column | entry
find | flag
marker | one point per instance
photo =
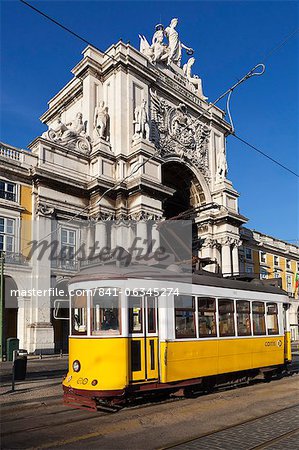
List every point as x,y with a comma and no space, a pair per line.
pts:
296,283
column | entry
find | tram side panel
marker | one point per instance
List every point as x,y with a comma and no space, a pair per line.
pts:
102,359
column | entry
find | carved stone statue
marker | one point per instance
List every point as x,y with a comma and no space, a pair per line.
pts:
174,44
160,50
101,122
71,135
141,125
221,169
194,80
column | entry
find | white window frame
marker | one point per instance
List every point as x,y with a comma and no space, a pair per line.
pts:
5,234
289,277
274,263
15,193
263,254
249,258
67,244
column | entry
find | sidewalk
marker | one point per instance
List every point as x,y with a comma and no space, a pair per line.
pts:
43,382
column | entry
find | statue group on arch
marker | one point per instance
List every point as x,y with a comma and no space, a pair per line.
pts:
170,53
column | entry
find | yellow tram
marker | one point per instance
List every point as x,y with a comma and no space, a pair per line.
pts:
135,331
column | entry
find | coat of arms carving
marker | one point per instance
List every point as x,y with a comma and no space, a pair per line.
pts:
176,132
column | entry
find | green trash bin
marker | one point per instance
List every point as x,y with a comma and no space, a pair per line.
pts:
11,345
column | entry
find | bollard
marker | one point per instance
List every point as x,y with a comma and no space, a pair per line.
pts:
14,357
61,354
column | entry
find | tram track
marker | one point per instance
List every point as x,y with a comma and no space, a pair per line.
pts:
185,444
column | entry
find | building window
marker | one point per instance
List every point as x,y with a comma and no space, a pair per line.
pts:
226,317
276,260
184,317
207,317
7,190
248,253
258,318
243,318
276,274
289,287
7,234
288,263
68,247
263,257
249,269
272,319
264,274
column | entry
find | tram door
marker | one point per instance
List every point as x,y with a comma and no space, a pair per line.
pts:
143,332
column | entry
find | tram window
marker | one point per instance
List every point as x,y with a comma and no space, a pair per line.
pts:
79,314
243,318
207,317
135,315
184,317
226,317
272,318
258,318
151,315
105,314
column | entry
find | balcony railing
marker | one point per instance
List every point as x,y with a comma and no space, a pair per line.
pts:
65,264
10,152
15,259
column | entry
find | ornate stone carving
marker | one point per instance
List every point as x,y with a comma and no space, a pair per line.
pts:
194,80
180,134
101,122
71,135
44,209
158,51
221,168
141,125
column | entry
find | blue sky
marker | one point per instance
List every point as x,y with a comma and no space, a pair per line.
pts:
228,38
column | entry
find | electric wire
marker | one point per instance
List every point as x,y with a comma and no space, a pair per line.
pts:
228,92
265,154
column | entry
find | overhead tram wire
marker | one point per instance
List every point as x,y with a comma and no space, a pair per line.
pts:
46,16
248,75
228,92
264,154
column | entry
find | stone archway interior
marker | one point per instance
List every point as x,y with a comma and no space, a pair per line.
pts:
188,191
10,319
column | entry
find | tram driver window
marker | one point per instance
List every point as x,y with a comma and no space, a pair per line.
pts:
105,313
258,318
135,315
243,318
207,317
79,314
226,317
184,306
272,319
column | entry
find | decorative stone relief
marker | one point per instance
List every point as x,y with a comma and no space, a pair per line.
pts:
194,80
44,210
101,122
71,135
180,134
141,123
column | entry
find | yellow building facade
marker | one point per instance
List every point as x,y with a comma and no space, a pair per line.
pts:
267,257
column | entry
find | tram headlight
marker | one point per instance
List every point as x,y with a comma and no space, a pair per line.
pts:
76,366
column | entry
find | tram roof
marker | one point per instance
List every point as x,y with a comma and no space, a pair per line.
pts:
110,272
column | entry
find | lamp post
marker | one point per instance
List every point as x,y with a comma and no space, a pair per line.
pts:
2,259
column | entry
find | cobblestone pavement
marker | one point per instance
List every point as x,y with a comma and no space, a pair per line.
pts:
275,431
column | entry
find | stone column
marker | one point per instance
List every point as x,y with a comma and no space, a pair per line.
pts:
23,304
100,235
155,236
226,261
40,330
235,257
